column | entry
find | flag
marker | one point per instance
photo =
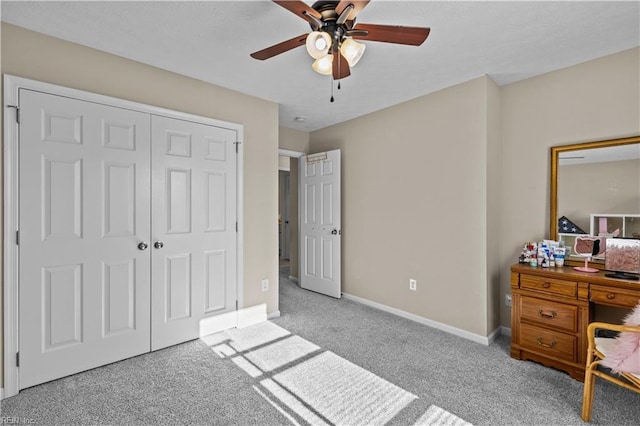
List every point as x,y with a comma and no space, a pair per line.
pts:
565,226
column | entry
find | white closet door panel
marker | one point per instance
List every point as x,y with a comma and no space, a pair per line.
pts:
194,214
84,206
178,287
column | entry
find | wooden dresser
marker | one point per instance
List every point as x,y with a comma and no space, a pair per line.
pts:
551,308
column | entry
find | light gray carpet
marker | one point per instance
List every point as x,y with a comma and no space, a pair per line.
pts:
192,384
312,385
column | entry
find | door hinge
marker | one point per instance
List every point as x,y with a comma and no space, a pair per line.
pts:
17,359
236,144
236,226
236,305
17,108
17,238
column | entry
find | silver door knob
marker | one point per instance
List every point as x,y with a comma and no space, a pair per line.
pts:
158,244
335,232
142,246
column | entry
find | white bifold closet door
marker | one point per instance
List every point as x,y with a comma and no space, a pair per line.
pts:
127,233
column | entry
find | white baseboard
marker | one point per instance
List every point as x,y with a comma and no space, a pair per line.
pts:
294,279
505,331
494,335
218,323
252,315
433,324
274,314
242,318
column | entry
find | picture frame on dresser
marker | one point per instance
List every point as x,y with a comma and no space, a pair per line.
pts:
623,258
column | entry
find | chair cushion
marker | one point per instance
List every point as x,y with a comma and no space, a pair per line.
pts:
622,354
604,345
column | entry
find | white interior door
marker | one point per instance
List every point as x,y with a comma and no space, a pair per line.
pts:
84,207
320,229
194,227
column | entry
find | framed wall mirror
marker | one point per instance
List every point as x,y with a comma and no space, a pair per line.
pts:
595,189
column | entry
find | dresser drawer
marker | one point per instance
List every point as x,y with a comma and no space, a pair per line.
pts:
549,285
547,342
551,314
613,296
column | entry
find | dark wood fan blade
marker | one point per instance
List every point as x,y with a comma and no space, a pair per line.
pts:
413,36
358,5
298,8
279,48
340,67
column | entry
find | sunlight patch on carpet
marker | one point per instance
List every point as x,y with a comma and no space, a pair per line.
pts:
342,392
248,368
436,416
223,350
293,403
281,353
243,339
228,342
277,407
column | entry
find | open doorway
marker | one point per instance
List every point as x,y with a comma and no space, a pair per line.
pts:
284,212
288,213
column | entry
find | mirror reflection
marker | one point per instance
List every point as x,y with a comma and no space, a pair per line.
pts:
597,190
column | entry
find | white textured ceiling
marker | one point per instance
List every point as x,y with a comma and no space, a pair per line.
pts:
212,40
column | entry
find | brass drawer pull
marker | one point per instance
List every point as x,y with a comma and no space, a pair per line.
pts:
546,285
545,345
611,296
553,314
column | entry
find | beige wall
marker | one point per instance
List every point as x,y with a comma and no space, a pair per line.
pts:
494,200
447,187
611,187
283,163
414,204
293,140
35,56
596,100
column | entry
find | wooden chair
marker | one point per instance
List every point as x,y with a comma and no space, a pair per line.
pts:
596,352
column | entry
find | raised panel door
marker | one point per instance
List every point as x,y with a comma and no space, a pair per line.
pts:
320,227
194,211
84,206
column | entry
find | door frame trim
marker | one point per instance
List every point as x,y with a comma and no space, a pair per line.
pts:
10,208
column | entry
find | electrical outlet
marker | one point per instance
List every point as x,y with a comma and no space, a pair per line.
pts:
413,284
265,285
507,300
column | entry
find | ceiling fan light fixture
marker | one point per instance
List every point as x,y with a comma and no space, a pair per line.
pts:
323,65
318,44
352,51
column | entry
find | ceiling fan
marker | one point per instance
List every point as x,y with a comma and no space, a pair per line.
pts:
334,31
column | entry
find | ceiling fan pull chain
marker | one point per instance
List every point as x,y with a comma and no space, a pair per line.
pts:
339,71
331,80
